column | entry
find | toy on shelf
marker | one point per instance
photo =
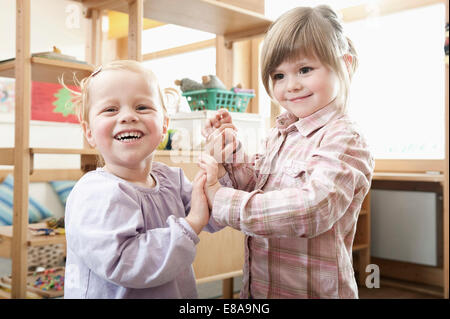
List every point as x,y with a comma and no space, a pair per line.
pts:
214,95
212,82
238,89
176,140
48,283
54,227
187,84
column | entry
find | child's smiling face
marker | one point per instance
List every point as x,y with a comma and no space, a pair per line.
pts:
126,120
304,85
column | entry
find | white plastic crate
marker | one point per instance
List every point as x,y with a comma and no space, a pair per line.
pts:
250,128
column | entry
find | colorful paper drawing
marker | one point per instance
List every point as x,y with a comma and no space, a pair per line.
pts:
7,96
51,102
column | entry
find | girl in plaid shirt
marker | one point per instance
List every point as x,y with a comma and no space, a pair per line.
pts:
297,201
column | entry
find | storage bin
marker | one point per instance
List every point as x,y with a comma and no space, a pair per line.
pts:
250,126
214,99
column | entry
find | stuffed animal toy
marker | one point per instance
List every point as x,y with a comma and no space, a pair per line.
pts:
212,82
187,84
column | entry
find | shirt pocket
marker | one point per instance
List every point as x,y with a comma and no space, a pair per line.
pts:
294,173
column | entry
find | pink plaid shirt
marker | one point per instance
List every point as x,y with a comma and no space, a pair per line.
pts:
298,204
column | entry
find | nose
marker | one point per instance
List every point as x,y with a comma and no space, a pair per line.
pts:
293,83
127,115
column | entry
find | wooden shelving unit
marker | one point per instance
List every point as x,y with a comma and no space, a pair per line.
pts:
206,15
230,23
49,70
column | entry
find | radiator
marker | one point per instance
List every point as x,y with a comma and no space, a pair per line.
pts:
404,226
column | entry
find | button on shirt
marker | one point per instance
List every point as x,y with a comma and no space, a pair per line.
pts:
298,203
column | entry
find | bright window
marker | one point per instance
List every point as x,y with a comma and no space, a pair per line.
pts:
398,92
191,65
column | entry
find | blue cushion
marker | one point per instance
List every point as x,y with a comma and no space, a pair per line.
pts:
36,212
63,189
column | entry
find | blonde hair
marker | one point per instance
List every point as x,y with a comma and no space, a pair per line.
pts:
311,32
81,100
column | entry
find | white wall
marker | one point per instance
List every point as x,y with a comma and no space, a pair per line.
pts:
53,22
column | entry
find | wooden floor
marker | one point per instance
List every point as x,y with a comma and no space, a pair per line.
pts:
395,289
392,293
386,293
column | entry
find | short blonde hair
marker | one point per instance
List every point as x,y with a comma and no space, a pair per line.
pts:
81,100
311,32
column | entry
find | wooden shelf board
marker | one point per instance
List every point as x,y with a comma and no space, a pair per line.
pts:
49,70
363,212
62,151
6,234
205,15
360,247
48,174
7,154
416,177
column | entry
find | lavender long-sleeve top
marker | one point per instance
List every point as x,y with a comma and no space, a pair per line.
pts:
127,241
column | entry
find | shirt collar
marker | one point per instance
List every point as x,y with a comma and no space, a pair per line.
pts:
287,121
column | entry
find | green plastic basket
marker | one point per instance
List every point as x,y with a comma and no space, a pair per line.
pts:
214,99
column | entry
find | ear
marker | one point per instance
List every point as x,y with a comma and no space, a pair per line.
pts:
348,59
88,133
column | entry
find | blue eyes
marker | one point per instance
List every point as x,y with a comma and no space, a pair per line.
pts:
303,70
278,76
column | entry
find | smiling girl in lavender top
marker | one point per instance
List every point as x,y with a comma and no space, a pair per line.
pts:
131,225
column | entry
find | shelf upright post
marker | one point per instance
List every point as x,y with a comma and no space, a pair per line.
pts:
224,60
93,56
22,149
94,29
135,26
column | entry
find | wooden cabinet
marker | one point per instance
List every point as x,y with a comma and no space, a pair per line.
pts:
361,244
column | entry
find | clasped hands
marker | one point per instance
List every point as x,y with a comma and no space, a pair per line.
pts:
221,143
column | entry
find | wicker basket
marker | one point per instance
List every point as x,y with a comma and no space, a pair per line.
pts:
48,256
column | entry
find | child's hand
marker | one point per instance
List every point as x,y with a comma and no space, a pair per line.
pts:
209,165
199,215
222,143
222,117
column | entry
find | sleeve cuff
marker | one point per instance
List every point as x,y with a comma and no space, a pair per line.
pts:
185,228
227,206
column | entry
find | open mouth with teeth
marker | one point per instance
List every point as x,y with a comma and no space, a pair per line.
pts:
128,136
